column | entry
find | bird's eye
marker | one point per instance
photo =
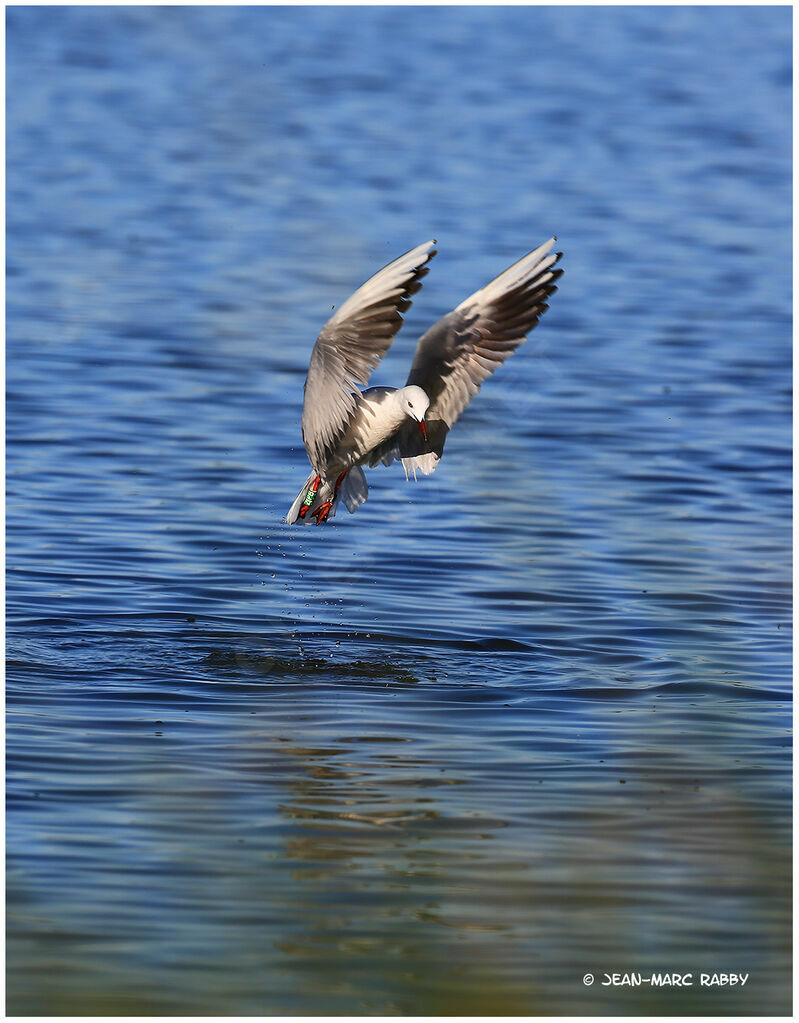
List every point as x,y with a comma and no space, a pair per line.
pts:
410,404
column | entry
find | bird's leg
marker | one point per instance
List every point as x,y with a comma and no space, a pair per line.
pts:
323,510
310,494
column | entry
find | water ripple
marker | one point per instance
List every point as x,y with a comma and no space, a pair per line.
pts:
524,719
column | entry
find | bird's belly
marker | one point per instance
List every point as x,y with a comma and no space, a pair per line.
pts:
372,424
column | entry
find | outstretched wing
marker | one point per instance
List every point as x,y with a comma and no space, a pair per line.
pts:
456,354
351,344
464,347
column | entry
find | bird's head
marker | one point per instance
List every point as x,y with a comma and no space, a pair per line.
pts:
415,404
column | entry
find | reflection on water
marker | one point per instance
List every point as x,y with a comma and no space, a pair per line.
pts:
352,837
452,754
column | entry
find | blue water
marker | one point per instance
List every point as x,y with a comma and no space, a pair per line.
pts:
524,720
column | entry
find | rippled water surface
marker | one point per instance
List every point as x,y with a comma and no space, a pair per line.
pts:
521,721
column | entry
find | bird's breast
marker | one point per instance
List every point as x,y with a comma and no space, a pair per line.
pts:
376,418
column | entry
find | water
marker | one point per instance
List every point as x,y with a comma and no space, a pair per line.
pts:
452,753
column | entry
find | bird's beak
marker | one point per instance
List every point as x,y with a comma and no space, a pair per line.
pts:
423,428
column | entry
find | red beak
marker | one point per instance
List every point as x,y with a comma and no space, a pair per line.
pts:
423,428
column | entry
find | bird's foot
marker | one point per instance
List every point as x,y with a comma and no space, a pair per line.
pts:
322,512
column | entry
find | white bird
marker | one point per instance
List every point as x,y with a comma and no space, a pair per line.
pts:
344,428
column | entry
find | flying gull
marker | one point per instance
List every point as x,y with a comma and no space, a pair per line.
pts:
344,428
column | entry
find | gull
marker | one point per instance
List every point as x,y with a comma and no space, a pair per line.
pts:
345,428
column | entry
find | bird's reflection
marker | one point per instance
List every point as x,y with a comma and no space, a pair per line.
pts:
382,872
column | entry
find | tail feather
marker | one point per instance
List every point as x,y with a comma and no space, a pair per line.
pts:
353,490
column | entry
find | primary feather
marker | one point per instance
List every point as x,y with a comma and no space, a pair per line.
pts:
466,346
351,344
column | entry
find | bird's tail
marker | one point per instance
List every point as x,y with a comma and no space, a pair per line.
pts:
354,489
316,492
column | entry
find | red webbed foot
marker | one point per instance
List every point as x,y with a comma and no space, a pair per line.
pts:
322,512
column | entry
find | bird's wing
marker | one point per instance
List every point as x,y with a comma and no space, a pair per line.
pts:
351,344
464,347
456,354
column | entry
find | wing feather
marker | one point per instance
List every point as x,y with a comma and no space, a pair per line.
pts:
466,346
351,344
